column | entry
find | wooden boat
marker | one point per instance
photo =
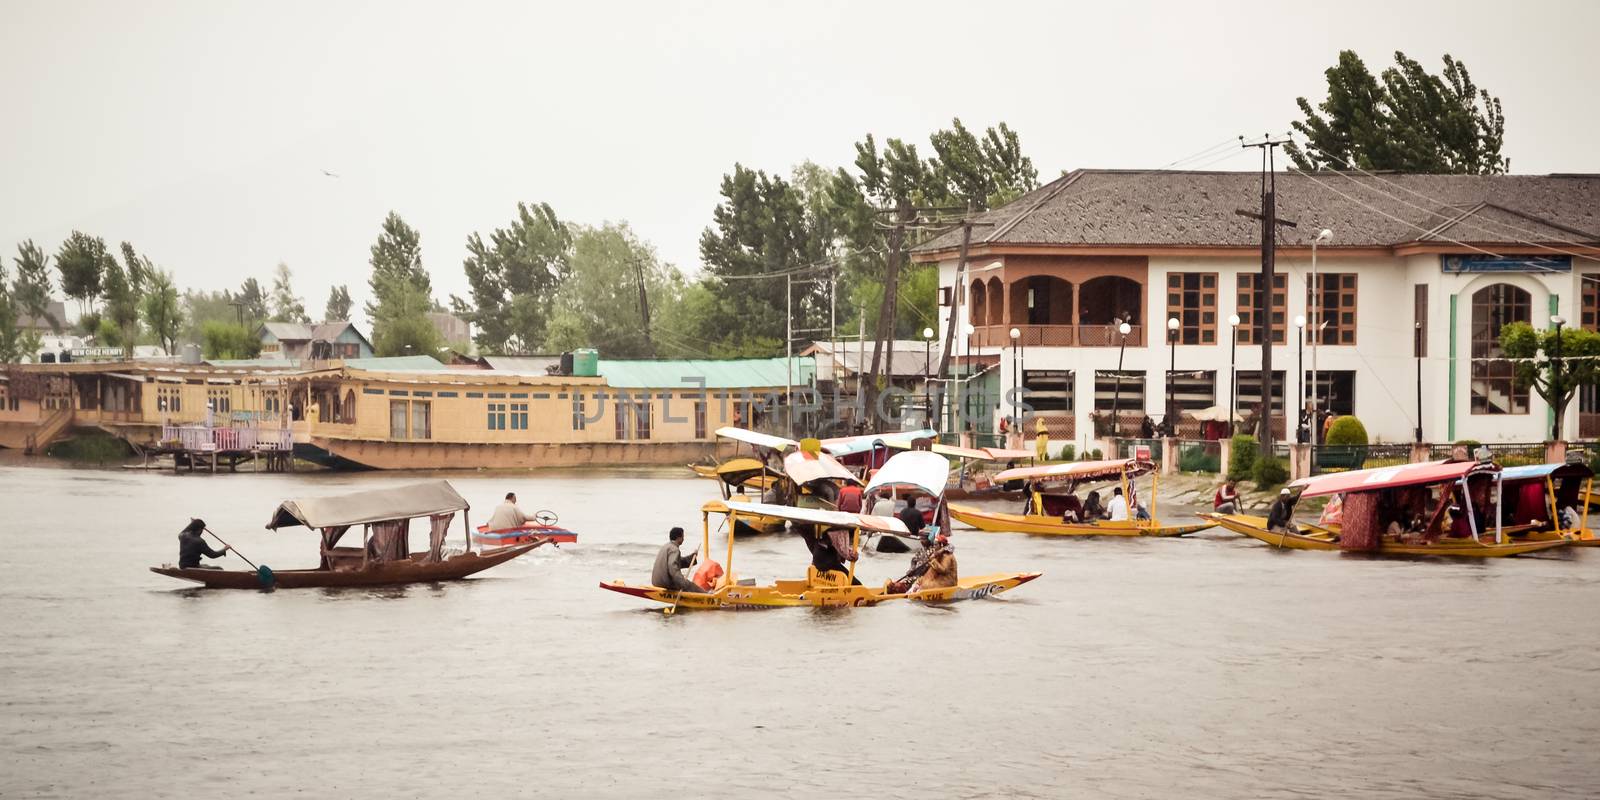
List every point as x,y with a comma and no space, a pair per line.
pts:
785,470
383,559
1556,487
530,532
1450,478
816,589
1044,516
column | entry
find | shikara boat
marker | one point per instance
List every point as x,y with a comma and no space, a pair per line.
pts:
531,531
1540,493
816,589
383,559
1447,477
786,470
1044,514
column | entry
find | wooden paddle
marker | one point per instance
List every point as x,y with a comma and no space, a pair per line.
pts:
263,574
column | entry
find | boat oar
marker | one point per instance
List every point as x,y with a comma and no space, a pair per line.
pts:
263,574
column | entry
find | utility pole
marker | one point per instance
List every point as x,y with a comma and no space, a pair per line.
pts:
903,215
1269,254
644,308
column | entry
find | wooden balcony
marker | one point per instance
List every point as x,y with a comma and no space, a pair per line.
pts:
1055,336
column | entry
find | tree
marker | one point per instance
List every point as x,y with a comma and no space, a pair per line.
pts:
228,340
82,261
989,172
121,286
200,307
30,290
598,305
160,309
286,306
514,279
15,343
339,303
1411,121
396,260
1554,365
253,301
400,324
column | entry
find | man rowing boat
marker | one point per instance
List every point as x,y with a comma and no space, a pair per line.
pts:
670,563
508,515
191,546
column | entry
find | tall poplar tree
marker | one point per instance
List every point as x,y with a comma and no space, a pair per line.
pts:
396,258
514,277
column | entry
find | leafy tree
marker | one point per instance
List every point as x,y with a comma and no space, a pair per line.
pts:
254,302
989,172
286,306
598,303
396,260
1410,121
228,340
122,294
200,307
1347,430
137,267
30,290
15,343
1554,366
400,324
514,278
160,309
339,304
82,261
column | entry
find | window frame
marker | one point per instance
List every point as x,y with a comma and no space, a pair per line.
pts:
1195,307
1344,294
1501,304
1278,308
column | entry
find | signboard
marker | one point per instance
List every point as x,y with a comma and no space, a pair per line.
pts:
1487,263
1141,452
96,353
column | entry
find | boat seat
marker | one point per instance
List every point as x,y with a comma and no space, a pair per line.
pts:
343,559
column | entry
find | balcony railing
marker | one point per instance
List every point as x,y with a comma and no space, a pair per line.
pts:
1108,336
199,437
1055,336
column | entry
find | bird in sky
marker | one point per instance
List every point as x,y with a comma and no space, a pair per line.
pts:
329,174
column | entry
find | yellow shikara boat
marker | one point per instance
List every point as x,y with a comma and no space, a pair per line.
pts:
1044,517
1449,476
1576,482
827,589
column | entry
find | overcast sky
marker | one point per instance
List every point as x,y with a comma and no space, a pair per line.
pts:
199,131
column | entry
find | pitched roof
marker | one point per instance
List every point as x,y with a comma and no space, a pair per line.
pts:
732,373
301,332
57,310
1164,208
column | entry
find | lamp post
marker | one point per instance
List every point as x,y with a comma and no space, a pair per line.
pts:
961,411
1016,375
1233,372
1416,349
927,364
1300,366
1172,349
1318,324
1116,394
1557,380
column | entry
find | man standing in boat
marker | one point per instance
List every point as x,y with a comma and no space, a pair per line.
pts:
507,515
191,546
670,563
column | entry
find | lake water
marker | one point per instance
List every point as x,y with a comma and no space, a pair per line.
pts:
1211,666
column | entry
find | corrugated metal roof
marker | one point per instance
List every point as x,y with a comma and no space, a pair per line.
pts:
733,373
396,362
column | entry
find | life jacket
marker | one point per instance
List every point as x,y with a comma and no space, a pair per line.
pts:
708,574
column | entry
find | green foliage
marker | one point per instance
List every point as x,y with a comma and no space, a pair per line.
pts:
200,307
12,342
30,290
162,313
1347,430
98,448
339,305
1195,458
108,334
1267,472
1242,459
400,324
1096,455
226,340
123,287
514,278
1470,444
1412,122
286,306
598,302
82,261
254,302
1069,452
1555,380
990,172
396,260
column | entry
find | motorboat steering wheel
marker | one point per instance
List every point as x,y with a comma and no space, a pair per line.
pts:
545,517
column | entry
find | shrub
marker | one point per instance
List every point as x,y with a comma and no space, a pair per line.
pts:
1269,472
1069,452
1195,458
1096,455
1243,459
1347,430
98,448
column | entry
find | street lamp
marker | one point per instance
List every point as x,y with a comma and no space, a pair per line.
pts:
967,329
1416,349
1318,324
927,365
1172,348
1557,380
1300,380
1016,374
1233,371
1116,394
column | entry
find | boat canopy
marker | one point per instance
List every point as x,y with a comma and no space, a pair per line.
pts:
850,445
803,468
756,439
1370,480
375,505
1542,471
736,471
917,469
1078,471
817,516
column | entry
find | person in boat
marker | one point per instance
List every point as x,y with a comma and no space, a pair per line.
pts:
1226,500
1280,516
1117,509
849,499
192,545
921,558
670,563
830,550
1092,509
1072,507
508,515
913,518
940,569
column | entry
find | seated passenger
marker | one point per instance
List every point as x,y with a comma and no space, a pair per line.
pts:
1071,508
1226,500
1280,516
1092,510
850,498
1117,509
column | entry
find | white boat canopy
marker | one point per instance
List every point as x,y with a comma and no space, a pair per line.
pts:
803,468
375,505
817,516
918,469
1078,471
757,439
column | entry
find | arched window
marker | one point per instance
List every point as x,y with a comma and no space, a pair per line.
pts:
997,302
1494,388
1108,298
349,415
1041,300
977,304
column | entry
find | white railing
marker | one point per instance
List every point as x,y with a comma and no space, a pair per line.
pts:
200,437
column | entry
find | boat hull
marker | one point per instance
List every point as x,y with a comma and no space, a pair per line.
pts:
1319,539
796,594
388,574
997,522
523,535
